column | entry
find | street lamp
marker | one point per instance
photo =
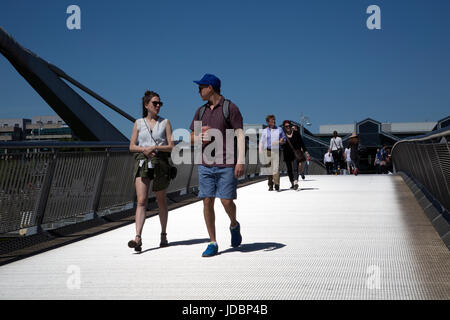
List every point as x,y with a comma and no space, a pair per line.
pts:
303,121
40,127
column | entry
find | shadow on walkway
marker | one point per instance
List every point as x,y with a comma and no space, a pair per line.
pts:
252,247
179,243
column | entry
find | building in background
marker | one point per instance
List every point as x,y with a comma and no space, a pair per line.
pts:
374,134
13,129
394,130
37,128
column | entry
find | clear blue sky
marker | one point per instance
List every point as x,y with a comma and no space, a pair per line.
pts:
281,57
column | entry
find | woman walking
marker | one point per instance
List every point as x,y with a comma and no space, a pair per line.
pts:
151,141
337,148
354,152
293,153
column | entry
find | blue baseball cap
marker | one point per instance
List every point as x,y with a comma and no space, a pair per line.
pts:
209,79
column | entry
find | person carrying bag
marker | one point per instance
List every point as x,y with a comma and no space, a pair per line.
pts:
294,153
152,143
337,148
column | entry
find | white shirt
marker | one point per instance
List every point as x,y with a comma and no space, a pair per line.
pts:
347,155
328,157
158,133
156,137
336,144
271,136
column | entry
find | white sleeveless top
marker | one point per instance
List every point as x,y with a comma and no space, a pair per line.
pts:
158,133
157,137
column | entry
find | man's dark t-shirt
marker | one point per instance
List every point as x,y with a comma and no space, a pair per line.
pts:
214,118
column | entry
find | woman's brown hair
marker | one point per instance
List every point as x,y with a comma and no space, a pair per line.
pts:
146,99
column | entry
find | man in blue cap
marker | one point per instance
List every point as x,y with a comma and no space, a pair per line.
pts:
218,177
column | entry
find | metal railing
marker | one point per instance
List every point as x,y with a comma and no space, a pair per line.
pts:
44,186
427,159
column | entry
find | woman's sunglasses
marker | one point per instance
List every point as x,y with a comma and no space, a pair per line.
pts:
157,103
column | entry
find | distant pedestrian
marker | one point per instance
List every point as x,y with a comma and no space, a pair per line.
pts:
219,179
383,159
376,163
293,153
152,142
348,159
328,161
272,138
337,148
306,165
354,152
389,166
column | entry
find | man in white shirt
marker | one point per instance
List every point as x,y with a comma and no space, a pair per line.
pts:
337,148
328,161
269,150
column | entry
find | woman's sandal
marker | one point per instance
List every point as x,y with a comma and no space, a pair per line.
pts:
136,245
164,242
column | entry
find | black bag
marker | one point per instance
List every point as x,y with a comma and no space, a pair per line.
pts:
299,154
337,154
173,172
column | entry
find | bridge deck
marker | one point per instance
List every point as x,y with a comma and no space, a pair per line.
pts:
343,237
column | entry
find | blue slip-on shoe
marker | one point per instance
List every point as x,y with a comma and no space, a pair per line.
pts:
212,250
236,237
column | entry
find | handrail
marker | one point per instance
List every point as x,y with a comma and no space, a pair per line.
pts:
45,190
432,135
426,159
59,144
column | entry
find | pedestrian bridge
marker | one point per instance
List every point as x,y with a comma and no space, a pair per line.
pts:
337,237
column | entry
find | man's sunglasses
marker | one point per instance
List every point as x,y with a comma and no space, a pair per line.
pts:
202,87
156,103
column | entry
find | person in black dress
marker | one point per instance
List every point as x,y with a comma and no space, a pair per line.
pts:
294,143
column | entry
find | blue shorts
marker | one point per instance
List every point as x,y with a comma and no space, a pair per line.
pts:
215,182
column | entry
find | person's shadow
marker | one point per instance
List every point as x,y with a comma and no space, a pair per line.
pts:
245,248
305,189
258,246
179,243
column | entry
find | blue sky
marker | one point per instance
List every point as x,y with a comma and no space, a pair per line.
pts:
282,57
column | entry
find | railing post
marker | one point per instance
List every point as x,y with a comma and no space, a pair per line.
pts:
99,185
190,178
44,193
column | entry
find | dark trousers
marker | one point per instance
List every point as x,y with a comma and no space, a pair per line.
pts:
292,169
337,156
329,166
305,168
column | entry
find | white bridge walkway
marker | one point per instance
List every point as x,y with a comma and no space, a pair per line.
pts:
339,237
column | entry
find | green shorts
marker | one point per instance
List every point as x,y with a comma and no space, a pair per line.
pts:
160,173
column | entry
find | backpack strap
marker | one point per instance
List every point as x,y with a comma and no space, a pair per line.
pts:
225,111
201,112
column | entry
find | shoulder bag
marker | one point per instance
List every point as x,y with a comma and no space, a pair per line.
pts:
299,154
173,170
